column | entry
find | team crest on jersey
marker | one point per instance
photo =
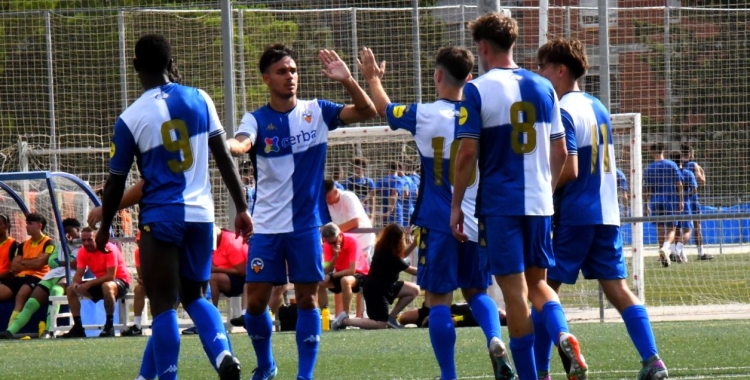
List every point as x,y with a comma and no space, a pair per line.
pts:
398,111
256,264
272,144
307,116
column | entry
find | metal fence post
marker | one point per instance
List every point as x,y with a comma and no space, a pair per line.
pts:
355,68
230,108
567,22
123,59
667,78
462,28
417,51
241,52
51,91
543,21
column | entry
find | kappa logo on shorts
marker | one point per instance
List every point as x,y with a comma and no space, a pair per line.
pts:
256,264
482,242
422,260
147,228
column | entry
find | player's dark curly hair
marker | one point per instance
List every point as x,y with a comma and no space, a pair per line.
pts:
496,28
457,61
328,185
570,53
273,54
153,53
391,239
71,222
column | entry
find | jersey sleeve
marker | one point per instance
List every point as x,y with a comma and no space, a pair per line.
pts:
331,112
49,248
13,251
122,149
401,116
557,130
214,123
248,127
469,120
676,175
570,133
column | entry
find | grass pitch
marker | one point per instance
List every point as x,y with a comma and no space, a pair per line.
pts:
692,350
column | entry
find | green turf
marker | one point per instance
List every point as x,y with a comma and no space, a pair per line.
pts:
724,280
692,350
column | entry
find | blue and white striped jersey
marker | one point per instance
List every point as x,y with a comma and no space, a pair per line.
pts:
289,155
167,130
590,199
433,126
514,114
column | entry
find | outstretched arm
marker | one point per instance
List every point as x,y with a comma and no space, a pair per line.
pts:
373,73
131,198
239,145
336,69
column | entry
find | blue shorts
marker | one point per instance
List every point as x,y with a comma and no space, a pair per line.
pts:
658,209
445,264
685,224
299,252
196,243
594,250
510,244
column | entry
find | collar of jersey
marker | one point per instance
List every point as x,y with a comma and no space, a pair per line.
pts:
505,68
161,87
449,101
283,113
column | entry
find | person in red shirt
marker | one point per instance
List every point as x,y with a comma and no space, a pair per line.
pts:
112,282
228,265
345,271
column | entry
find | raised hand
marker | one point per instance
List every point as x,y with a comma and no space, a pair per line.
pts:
368,66
335,68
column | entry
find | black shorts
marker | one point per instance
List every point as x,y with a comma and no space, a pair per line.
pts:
122,289
359,281
379,296
236,285
15,283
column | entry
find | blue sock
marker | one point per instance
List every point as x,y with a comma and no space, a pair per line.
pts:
639,328
211,330
443,338
542,342
166,336
308,339
259,328
554,320
484,310
148,365
523,356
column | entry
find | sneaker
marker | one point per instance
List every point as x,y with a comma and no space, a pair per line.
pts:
338,323
190,331
6,335
47,335
75,332
663,258
674,258
653,369
132,331
705,257
230,368
543,376
570,352
393,323
107,332
500,361
259,374
238,321
683,257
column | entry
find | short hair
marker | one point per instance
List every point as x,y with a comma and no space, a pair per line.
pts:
330,230
71,222
88,229
457,61
36,217
394,165
685,148
360,161
328,185
337,170
6,219
657,147
496,28
675,156
273,54
153,53
570,53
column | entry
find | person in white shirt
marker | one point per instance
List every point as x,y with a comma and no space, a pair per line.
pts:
348,213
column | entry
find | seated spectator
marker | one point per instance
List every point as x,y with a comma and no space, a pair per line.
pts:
383,285
30,263
228,266
112,283
343,272
8,250
348,213
139,296
461,312
52,284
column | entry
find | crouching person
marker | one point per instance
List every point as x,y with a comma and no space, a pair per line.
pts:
112,283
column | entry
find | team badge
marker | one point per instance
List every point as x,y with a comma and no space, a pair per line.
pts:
256,264
307,116
398,111
462,116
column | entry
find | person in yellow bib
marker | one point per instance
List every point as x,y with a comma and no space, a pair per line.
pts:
8,249
31,261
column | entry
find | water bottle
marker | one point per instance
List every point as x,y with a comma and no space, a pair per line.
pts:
42,328
326,315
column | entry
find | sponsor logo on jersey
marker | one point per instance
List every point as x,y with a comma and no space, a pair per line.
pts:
463,114
272,144
398,111
307,116
111,150
256,264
